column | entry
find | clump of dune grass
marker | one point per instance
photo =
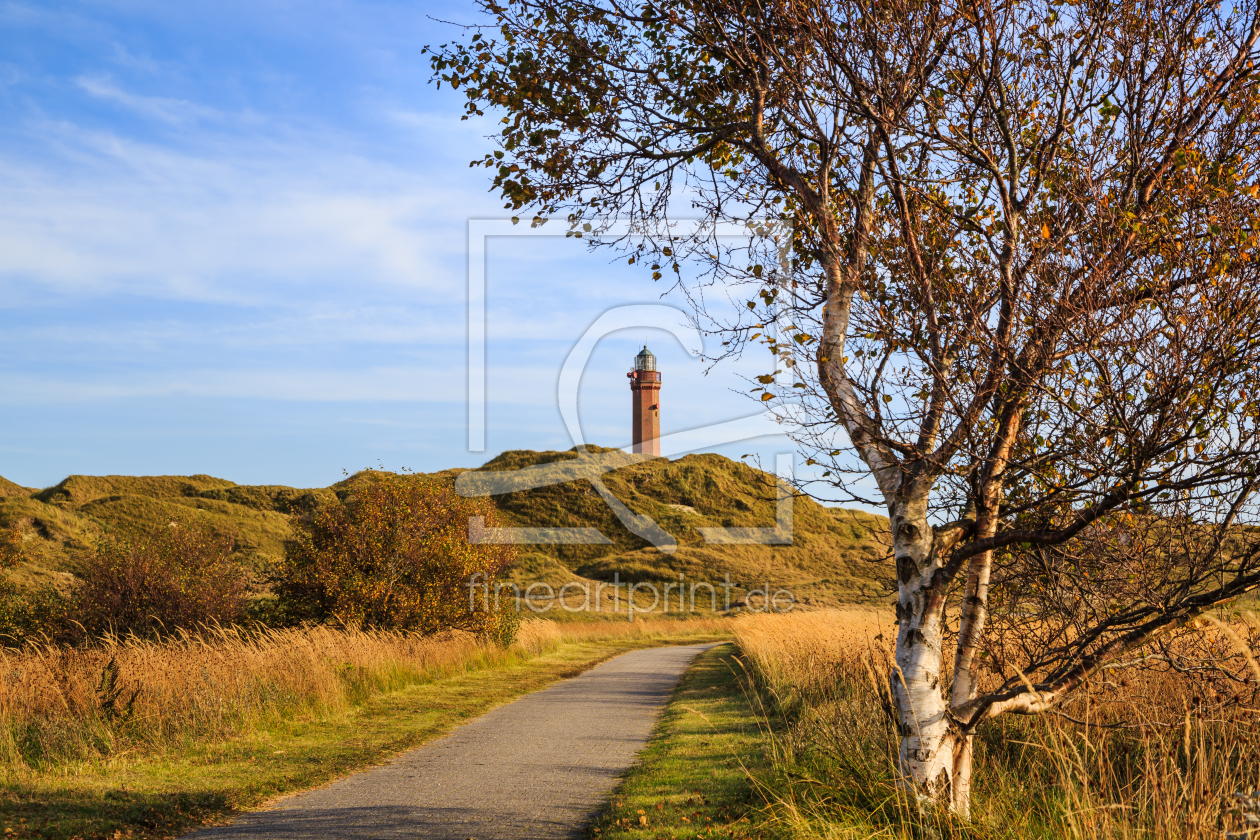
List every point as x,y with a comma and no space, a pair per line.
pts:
1155,757
121,694
60,703
538,635
641,628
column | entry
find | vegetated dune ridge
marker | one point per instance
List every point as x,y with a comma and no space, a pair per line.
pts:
836,555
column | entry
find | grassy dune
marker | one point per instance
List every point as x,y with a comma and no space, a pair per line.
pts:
836,556
68,518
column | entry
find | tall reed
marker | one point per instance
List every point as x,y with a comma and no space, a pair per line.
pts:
643,628
60,703
1147,759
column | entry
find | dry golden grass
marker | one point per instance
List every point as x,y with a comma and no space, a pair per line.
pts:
643,628
58,703
122,694
1155,757
538,636
796,651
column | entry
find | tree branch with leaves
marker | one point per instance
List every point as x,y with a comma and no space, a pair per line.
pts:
1019,293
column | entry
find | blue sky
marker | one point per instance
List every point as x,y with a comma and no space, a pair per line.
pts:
233,241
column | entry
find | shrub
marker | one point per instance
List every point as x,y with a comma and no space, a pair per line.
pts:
395,555
152,582
40,612
12,548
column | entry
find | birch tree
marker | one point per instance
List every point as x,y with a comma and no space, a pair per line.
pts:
1020,295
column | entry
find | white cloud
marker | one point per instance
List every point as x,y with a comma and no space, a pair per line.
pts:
173,111
444,132
317,324
245,220
377,384
144,63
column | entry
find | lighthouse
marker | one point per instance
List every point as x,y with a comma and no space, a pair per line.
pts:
645,386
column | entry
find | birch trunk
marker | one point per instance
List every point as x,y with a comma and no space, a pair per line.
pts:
935,755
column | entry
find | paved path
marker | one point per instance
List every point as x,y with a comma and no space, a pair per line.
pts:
536,768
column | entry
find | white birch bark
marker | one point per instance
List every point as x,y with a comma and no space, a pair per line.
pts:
934,758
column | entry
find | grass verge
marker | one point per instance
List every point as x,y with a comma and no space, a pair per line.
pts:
693,779
163,793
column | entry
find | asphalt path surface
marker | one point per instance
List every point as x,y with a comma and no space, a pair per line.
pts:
539,767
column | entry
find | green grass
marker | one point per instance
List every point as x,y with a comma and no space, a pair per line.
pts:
693,780
163,794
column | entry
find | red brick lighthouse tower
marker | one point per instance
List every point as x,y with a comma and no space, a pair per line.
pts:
645,385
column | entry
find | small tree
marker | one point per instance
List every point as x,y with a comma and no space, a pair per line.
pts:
152,582
395,554
1017,278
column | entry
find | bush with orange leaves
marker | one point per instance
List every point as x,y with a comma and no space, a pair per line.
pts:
153,581
395,555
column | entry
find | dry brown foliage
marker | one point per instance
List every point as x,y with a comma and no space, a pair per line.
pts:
395,555
151,581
